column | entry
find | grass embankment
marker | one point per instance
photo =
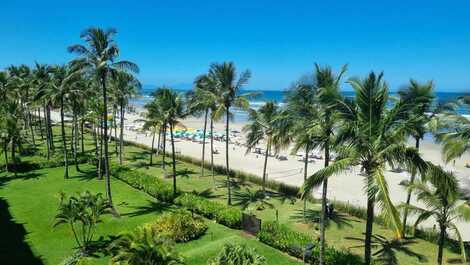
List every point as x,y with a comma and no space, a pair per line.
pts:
32,200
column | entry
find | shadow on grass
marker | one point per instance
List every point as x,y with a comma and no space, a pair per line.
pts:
247,197
386,249
14,249
207,193
25,176
151,207
85,175
313,216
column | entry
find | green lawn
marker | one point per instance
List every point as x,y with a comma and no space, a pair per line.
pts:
32,200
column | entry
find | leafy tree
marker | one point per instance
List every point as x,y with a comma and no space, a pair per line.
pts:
229,86
232,254
99,57
144,247
442,200
373,136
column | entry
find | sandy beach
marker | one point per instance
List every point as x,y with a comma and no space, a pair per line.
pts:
346,187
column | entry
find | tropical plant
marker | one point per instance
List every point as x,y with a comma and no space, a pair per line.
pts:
144,246
263,125
154,121
202,99
179,226
99,59
82,213
441,197
124,86
232,254
229,86
373,136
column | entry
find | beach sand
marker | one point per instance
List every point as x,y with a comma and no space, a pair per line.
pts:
346,187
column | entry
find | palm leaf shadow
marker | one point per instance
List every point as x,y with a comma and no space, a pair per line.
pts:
313,216
387,249
150,207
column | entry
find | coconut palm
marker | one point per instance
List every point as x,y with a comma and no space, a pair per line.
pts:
372,136
99,57
58,91
202,99
172,107
153,121
263,125
144,247
124,86
229,86
419,98
440,195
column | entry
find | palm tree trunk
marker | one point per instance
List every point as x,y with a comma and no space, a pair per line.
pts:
64,142
323,216
229,188
158,141
40,124
442,237
30,121
105,141
115,129
82,131
204,143
48,140
307,150
100,164
174,158
408,196
268,147
212,151
49,125
13,150
75,141
5,153
369,228
151,150
121,134
164,149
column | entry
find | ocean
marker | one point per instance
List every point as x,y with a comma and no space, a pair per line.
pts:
278,96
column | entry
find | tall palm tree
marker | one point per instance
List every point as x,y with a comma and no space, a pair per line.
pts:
263,125
419,98
99,58
153,121
202,99
441,195
125,86
373,137
172,106
229,86
59,92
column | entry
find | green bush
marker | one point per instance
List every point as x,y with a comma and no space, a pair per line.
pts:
179,226
228,216
294,243
281,237
154,186
237,255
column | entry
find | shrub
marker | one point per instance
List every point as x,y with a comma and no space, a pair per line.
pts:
237,255
228,216
154,186
179,226
281,237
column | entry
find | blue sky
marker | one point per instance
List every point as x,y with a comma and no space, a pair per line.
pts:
173,41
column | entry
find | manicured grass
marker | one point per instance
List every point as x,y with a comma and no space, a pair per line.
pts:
33,200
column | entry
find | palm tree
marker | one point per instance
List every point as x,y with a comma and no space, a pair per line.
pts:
442,200
153,121
419,98
372,136
172,107
225,76
201,100
264,126
144,247
99,58
125,86
58,91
